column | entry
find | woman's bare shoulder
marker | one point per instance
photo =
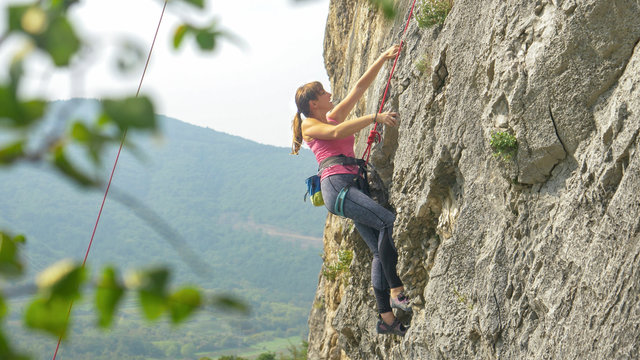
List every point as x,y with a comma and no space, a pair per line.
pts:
313,125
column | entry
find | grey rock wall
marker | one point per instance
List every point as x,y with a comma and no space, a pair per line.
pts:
532,258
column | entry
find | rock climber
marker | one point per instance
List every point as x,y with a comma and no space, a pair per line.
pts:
326,130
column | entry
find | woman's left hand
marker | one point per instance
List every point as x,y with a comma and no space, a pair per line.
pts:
391,53
387,118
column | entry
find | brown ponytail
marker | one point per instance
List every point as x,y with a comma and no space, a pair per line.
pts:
305,93
296,126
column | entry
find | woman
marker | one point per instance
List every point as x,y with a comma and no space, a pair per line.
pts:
328,134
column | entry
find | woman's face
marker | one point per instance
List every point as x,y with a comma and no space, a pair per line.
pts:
324,100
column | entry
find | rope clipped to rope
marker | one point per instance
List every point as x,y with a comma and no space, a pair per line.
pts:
374,135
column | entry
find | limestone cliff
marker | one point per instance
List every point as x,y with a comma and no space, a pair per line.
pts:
537,257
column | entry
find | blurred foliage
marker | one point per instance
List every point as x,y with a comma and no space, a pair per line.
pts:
44,28
206,36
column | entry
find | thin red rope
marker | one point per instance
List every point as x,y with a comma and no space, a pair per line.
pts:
113,170
374,135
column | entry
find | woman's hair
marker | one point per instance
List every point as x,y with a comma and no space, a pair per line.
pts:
305,93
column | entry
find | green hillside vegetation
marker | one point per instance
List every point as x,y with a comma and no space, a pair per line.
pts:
221,194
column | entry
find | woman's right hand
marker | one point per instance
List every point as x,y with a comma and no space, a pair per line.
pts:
387,118
391,53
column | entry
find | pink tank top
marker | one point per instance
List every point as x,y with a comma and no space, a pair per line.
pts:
323,149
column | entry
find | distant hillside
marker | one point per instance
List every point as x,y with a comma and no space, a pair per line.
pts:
201,182
237,204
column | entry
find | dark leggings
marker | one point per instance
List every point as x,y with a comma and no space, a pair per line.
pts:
375,225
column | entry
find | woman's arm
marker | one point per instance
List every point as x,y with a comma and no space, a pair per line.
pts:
317,129
340,112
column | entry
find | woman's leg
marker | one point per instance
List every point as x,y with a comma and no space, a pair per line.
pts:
370,237
375,225
378,280
385,259
365,212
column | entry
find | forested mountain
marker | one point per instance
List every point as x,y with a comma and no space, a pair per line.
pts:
234,203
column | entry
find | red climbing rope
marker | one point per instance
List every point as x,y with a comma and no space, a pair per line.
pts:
115,164
374,135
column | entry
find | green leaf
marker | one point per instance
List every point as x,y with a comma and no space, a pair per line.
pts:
179,34
16,71
152,293
64,4
60,41
32,110
134,112
48,315
130,56
15,16
9,106
152,306
61,162
10,264
6,353
62,281
184,302
18,113
80,132
3,307
197,3
5,350
103,120
93,139
12,152
206,39
227,302
109,292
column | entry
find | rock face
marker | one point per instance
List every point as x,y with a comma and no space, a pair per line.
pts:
537,257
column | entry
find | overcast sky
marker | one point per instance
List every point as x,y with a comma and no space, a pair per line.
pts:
246,91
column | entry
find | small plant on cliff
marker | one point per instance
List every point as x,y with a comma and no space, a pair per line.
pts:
504,145
318,304
423,64
462,299
339,268
432,12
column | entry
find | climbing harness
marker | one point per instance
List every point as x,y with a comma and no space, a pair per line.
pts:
339,206
374,135
115,164
359,180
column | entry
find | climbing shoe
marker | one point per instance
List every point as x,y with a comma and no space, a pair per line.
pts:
396,328
401,302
